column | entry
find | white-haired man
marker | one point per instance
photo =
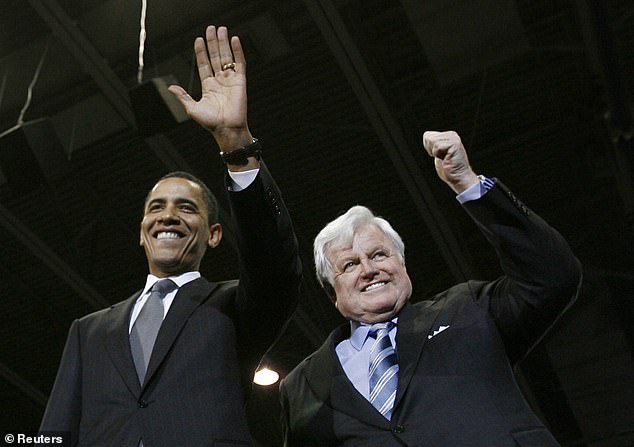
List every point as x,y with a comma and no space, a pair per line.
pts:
437,372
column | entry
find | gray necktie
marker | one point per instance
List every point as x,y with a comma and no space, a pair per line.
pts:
147,325
383,369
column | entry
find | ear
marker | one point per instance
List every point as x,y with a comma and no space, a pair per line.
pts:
215,235
141,233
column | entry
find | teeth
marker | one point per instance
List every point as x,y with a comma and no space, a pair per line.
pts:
167,235
376,285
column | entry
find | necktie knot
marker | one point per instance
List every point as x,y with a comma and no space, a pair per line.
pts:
163,287
378,329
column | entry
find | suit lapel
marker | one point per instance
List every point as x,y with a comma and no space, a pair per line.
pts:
118,342
188,298
329,382
414,323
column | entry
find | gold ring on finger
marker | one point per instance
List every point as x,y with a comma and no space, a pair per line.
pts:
229,66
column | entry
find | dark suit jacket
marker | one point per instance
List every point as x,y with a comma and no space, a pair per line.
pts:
205,354
456,387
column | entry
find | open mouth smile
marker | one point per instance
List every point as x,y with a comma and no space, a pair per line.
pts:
161,235
374,286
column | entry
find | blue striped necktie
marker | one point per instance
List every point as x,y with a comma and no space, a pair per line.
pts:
383,370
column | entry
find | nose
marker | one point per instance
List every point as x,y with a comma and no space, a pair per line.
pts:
368,268
169,216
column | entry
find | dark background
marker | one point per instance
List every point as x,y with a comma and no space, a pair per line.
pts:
340,92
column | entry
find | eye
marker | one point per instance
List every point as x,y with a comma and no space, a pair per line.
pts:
348,266
188,208
379,256
153,207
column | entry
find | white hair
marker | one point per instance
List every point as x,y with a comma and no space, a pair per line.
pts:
341,231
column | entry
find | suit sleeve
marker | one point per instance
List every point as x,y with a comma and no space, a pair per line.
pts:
541,274
63,411
270,267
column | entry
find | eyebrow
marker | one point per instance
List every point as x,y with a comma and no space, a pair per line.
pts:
178,201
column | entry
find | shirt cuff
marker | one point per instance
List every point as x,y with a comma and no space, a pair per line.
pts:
477,190
242,179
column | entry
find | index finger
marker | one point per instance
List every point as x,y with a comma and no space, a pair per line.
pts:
202,59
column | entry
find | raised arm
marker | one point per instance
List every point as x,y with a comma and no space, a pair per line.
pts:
222,108
541,274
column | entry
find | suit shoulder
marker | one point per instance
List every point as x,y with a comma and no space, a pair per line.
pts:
298,370
101,312
306,365
229,284
444,297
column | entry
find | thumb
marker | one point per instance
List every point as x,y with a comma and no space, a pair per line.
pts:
181,95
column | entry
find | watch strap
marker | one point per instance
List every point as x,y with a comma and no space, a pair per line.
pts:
240,156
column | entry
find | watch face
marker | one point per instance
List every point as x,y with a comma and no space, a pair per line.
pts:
240,156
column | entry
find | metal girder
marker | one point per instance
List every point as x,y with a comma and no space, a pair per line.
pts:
619,118
86,55
23,385
66,273
389,132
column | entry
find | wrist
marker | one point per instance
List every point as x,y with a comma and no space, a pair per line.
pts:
231,139
243,158
465,182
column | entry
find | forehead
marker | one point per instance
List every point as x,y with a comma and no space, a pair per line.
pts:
176,188
366,238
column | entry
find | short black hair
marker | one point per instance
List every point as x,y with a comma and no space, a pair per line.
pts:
210,199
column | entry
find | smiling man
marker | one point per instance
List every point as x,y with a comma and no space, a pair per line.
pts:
368,272
437,372
179,223
172,364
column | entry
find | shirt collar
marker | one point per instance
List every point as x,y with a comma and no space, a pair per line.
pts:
180,280
359,332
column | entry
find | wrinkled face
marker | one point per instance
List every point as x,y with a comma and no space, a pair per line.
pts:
175,232
371,283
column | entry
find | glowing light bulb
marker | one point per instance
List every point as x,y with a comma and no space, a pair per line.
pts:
265,377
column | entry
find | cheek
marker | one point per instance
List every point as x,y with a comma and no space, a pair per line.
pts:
347,297
144,229
143,238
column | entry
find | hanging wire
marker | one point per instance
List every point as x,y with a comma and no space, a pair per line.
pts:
29,93
142,41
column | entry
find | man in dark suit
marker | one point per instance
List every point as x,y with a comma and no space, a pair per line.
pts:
187,388
438,372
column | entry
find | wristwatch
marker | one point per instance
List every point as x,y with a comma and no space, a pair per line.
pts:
241,155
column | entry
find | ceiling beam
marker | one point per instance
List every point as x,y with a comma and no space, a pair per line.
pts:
389,132
23,385
56,264
86,55
605,58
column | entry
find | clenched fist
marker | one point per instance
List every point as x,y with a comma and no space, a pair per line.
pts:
450,159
